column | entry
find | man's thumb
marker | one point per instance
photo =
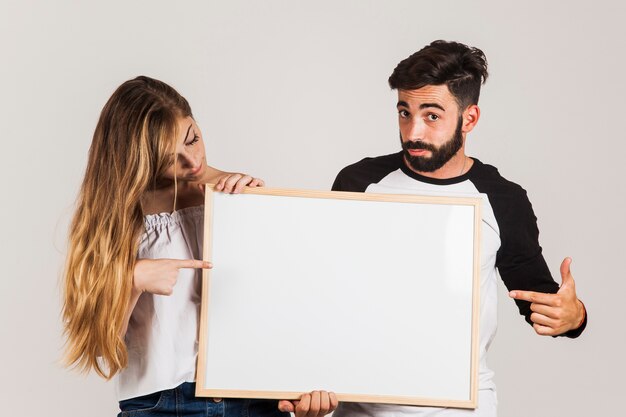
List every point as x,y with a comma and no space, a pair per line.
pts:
566,275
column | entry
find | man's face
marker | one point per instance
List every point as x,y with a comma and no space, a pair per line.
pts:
430,127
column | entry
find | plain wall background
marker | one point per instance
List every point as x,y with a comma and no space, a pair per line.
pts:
292,91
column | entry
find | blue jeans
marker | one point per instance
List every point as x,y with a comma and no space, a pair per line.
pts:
181,401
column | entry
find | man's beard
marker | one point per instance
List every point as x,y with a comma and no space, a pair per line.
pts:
439,155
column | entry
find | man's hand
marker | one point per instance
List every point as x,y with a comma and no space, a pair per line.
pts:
315,404
555,314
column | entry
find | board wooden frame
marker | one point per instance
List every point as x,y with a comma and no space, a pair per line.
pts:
469,402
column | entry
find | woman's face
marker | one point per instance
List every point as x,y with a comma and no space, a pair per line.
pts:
190,161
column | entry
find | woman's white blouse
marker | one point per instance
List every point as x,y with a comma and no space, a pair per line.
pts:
162,336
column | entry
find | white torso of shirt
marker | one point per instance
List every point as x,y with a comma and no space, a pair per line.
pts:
397,182
162,336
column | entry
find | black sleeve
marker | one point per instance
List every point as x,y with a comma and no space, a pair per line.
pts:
342,182
519,259
358,176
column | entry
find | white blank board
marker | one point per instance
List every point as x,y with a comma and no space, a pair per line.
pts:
373,297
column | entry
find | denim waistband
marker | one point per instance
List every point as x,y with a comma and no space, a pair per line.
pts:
182,402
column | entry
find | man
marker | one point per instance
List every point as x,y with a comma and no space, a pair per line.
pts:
438,89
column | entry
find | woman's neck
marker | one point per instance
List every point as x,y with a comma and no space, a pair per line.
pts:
161,199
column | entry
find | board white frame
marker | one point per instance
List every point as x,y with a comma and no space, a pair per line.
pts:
275,333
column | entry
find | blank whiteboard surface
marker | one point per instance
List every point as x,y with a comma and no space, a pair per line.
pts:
357,297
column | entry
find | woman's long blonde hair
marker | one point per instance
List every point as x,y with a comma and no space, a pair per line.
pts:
133,145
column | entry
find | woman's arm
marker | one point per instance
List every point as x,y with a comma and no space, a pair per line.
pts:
134,297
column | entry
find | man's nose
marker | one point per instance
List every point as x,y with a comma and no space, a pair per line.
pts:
415,130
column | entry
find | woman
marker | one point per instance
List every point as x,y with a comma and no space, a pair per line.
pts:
132,294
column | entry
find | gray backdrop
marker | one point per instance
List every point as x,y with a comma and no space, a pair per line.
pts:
292,91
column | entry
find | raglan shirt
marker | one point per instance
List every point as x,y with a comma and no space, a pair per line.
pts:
509,248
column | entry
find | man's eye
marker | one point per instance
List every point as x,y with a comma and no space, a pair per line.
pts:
403,113
433,117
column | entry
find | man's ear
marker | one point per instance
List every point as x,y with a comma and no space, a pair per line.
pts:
470,117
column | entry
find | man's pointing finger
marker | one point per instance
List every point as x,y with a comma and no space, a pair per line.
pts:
534,297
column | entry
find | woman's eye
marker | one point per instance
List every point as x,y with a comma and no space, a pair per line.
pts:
193,141
433,117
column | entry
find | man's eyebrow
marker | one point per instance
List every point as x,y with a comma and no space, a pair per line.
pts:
435,105
422,106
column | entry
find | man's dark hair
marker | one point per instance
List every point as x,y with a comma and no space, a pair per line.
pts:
462,68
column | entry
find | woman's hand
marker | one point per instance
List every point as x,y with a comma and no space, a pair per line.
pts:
228,182
315,404
233,182
158,276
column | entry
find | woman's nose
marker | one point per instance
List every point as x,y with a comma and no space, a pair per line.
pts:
188,160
